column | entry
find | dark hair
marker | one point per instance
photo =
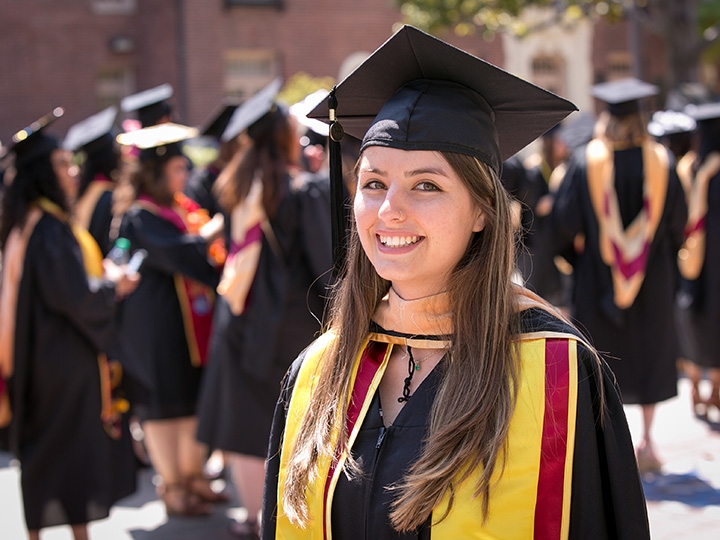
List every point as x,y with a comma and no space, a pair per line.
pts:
265,152
102,157
149,179
32,180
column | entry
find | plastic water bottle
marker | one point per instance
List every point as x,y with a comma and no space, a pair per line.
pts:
120,252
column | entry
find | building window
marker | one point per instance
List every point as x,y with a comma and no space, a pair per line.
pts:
619,65
112,85
247,71
549,72
271,3
114,7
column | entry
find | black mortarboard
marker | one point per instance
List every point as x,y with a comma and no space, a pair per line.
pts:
32,142
219,119
90,130
252,110
151,104
417,92
623,96
158,142
577,130
664,123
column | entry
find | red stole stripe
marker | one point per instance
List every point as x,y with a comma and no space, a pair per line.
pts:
370,362
551,479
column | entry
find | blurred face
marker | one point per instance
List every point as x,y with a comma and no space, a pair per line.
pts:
66,172
176,173
415,218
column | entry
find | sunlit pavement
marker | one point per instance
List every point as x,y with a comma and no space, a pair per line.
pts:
683,502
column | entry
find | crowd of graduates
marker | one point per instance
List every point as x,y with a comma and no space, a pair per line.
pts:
186,344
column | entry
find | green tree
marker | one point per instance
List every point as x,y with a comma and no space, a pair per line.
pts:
690,28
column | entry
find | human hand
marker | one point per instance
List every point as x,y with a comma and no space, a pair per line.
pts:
214,228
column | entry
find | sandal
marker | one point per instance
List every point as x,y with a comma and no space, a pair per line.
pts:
200,486
178,502
647,461
245,530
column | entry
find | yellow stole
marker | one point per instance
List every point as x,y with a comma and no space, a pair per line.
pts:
530,497
626,251
691,256
110,372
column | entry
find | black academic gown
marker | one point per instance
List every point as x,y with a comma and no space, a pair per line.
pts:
71,470
703,308
640,341
607,499
101,222
250,353
151,320
200,188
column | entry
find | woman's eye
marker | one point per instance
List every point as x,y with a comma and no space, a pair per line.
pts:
427,186
373,184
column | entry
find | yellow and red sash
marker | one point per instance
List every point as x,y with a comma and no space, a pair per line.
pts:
691,256
196,299
530,496
626,251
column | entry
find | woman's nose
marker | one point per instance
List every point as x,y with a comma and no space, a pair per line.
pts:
392,208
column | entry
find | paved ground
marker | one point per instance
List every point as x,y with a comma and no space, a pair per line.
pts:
683,502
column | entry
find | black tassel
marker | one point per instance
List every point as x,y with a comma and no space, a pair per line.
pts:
337,197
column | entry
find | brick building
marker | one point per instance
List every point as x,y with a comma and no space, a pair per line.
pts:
86,54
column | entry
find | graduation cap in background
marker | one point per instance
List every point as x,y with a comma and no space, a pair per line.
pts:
703,111
32,142
664,123
151,104
301,109
252,110
158,142
219,119
623,96
96,130
417,92
577,130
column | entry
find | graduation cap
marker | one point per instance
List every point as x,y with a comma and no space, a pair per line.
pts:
32,142
150,104
703,111
158,142
94,129
417,92
623,96
577,130
301,109
218,121
252,110
664,123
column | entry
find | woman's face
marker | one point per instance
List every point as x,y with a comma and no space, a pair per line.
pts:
415,218
176,173
66,172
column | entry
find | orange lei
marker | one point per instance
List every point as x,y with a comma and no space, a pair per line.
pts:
195,218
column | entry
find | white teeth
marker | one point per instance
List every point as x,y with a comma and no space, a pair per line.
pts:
398,241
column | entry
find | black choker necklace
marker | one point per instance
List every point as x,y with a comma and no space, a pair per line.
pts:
412,368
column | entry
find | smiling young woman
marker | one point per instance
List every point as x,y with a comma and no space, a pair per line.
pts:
444,401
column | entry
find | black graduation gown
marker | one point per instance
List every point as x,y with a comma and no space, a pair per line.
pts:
703,293
71,470
607,499
250,353
150,319
199,188
640,341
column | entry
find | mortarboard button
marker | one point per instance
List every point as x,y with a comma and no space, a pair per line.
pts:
91,129
252,110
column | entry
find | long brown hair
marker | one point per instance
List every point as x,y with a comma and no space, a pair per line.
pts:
471,413
265,152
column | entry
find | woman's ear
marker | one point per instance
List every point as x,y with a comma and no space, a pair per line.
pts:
479,223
